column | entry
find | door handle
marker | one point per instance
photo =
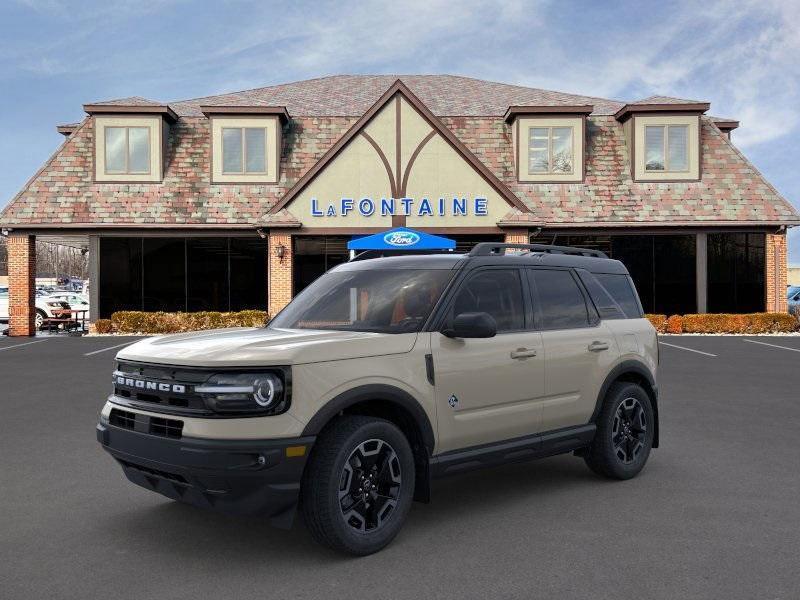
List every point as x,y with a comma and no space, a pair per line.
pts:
522,353
597,346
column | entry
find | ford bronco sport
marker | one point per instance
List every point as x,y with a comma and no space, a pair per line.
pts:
385,373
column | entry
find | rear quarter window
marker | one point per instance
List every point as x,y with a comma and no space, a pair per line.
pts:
621,289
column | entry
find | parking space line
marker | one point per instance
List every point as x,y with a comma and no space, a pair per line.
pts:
20,345
687,349
110,348
771,345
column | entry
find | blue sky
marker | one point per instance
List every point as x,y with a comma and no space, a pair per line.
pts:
56,55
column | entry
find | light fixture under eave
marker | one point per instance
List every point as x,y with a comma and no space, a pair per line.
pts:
280,252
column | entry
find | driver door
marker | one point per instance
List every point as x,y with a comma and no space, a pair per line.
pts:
489,389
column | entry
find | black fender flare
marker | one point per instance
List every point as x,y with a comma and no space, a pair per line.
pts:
374,391
640,369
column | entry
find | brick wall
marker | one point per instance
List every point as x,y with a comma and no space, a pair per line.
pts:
776,273
517,236
21,284
280,271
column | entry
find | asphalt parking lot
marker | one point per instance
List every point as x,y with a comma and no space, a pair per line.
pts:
715,514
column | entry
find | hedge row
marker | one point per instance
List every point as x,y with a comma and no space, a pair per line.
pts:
726,323
131,321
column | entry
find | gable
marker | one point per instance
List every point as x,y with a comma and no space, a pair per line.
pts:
398,162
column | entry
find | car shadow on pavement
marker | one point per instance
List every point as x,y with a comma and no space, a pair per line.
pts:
457,501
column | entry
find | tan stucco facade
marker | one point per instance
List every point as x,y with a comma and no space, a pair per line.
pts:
398,155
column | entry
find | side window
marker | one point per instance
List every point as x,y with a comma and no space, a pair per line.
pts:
605,304
497,292
621,289
561,302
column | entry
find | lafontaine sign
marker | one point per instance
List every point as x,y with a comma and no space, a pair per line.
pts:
422,207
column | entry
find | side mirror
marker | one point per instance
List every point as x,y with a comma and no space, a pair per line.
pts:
472,325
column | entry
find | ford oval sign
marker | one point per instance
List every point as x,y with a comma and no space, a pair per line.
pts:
401,239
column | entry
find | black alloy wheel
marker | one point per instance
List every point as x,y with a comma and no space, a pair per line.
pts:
629,432
358,485
370,485
625,429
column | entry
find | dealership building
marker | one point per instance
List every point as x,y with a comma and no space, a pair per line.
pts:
240,200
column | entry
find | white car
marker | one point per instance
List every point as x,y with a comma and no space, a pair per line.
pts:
76,301
46,307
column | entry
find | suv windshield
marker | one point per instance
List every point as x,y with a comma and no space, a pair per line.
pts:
383,301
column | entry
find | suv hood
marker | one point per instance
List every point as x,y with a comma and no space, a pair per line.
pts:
263,347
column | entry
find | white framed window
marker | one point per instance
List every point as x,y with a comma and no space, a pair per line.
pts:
127,150
244,150
550,150
666,148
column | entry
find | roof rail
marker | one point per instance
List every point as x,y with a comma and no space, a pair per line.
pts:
499,248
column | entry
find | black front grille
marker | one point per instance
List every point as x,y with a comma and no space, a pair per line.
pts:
122,418
169,428
135,382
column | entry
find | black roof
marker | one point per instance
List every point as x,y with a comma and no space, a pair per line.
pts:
455,261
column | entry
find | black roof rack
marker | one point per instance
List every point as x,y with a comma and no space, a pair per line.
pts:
498,249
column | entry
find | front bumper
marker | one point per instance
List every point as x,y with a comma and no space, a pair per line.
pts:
245,477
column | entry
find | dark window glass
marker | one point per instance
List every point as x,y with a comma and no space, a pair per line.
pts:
120,266
248,274
606,306
675,279
164,262
384,301
207,274
314,255
663,267
497,292
736,272
560,300
621,289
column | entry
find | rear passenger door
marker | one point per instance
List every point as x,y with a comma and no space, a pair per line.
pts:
489,389
579,349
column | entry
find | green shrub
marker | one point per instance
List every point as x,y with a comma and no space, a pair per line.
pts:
132,321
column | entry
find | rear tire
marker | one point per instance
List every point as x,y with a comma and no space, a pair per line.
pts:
39,318
624,435
358,486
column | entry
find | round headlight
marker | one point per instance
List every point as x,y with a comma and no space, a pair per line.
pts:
265,391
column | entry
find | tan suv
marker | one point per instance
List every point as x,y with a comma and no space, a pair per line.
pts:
385,373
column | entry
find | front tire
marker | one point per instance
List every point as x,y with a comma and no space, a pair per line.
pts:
624,435
359,484
39,318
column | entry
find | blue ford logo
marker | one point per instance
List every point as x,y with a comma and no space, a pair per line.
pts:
401,238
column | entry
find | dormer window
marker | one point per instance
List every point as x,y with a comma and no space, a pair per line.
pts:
244,150
666,148
550,150
127,150
129,140
548,142
245,143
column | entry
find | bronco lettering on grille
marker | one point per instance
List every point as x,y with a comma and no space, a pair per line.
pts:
156,386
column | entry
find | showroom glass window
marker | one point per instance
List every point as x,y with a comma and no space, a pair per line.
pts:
182,274
550,150
127,150
666,148
244,150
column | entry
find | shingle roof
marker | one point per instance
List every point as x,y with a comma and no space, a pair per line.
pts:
130,101
665,100
63,193
352,95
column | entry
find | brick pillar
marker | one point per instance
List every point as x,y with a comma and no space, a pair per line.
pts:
775,273
21,284
517,236
280,271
